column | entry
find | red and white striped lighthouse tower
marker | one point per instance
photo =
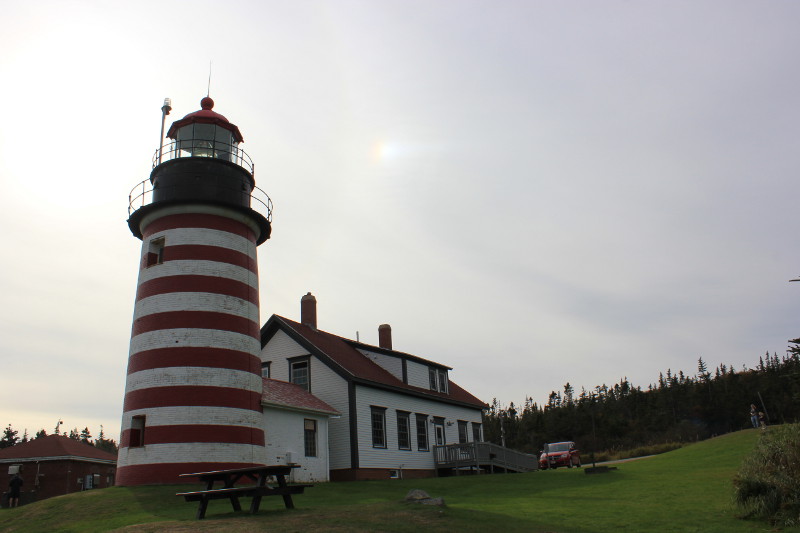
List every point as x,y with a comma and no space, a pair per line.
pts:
193,390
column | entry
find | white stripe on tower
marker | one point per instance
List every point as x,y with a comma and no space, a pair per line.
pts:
194,367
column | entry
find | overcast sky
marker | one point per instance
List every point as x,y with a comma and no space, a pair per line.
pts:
530,192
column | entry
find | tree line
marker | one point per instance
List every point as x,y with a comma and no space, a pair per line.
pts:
677,408
11,437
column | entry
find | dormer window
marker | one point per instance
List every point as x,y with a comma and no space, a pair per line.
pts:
438,379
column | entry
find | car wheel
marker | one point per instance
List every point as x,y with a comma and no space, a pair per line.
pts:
569,464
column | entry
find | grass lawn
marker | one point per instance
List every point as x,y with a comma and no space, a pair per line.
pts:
684,490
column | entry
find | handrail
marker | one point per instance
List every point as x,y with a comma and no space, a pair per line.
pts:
203,148
142,194
483,453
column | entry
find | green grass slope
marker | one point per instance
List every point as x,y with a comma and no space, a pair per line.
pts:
684,490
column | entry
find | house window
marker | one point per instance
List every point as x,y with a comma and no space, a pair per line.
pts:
438,379
462,431
298,373
310,437
265,369
442,380
137,431
476,432
378,427
155,252
403,430
422,433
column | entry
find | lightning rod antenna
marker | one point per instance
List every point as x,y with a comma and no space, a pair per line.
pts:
208,93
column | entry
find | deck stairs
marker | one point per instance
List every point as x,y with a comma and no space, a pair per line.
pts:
481,458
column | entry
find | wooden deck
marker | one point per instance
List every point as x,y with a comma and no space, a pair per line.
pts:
481,457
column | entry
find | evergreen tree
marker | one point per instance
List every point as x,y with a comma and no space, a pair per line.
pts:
702,370
677,408
109,445
568,394
9,437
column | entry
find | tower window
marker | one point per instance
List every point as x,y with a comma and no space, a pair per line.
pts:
137,431
155,252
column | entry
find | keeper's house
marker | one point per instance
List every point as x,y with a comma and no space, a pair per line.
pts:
391,407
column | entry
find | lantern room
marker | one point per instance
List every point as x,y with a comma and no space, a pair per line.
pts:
206,133
201,164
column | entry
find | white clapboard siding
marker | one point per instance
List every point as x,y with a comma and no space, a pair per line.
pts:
392,364
285,443
326,385
332,388
391,456
279,348
417,374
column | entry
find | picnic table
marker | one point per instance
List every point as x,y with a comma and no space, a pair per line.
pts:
229,490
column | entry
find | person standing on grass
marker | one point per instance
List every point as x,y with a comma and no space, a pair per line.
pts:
754,415
14,488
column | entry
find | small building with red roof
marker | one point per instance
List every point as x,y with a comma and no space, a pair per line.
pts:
394,407
55,465
296,430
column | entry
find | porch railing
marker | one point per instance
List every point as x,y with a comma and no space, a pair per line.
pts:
483,456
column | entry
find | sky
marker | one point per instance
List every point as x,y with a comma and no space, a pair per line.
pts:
530,192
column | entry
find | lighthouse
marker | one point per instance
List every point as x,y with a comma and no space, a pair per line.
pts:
193,388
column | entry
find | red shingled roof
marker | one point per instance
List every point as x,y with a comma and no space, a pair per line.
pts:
205,116
342,352
285,394
55,446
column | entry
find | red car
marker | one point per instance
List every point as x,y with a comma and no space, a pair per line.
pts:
558,454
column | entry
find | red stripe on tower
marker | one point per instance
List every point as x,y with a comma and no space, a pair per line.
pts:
190,283
196,433
193,389
191,395
199,252
158,473
196,319
192,220
194,356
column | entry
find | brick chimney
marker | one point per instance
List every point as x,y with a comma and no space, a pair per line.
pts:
308,311
385,336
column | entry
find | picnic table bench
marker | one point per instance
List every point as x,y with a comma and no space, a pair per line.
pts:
230,491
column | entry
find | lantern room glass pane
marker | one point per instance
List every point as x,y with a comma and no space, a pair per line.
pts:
185,135
203,145
223,141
